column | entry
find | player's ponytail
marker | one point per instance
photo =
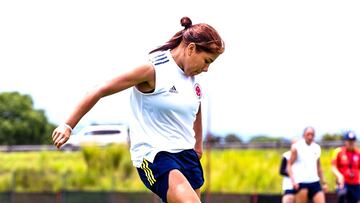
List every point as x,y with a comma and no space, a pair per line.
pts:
186,22
203,35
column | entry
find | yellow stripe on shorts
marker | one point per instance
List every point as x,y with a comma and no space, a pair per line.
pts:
148,172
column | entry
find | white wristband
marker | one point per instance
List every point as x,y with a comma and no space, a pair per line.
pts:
67,126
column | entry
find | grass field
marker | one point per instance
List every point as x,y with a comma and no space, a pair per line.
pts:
253,171
110,169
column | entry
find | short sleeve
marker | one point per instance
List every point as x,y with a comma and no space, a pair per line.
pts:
319,151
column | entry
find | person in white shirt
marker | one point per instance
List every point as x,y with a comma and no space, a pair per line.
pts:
305,171
288,195
166,131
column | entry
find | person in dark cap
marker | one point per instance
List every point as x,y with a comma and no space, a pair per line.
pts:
345,165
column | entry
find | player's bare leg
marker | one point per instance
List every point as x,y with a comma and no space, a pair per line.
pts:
288,198
198,192
301,196
180,190
319,197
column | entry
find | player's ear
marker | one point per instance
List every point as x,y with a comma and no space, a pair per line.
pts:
191,48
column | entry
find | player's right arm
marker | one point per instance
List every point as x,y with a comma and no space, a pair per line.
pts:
292,159
143,77
335,170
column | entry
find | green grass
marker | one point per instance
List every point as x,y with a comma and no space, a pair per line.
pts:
252,171
110,169
91,169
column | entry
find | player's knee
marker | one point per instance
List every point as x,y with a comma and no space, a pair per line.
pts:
180,189
191,200
182,194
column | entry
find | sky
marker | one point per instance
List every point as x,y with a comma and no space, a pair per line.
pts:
287,64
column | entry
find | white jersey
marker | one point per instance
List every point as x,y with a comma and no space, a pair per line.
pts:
305,166
286,182
164,119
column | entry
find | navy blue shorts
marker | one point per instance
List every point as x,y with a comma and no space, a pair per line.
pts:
312,188
292,192
352,193
155,175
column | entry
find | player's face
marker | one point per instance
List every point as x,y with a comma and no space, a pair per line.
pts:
350,144
198,62
309,135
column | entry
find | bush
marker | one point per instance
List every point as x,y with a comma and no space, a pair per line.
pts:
32,180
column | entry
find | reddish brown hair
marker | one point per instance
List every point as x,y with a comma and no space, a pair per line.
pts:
205,37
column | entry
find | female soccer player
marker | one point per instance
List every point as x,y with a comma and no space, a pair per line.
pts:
166,134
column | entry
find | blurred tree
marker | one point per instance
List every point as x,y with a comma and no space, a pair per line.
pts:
212,139
232,138
331,137
20,123
264,138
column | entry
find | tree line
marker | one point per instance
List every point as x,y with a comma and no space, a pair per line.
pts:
233,138
21,123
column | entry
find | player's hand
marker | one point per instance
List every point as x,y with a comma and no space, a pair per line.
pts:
340,180
199,152
60,135
325,187
296,186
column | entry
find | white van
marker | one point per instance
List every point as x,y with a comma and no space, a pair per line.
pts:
100,135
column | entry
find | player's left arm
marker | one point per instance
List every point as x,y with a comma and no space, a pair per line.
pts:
334,167
198,134
321,176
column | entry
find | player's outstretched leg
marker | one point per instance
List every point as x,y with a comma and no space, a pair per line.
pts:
180,190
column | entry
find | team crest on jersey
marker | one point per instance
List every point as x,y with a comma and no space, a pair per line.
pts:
197,89
355,158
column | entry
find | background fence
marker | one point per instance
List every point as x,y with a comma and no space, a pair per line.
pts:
134,197
256,145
